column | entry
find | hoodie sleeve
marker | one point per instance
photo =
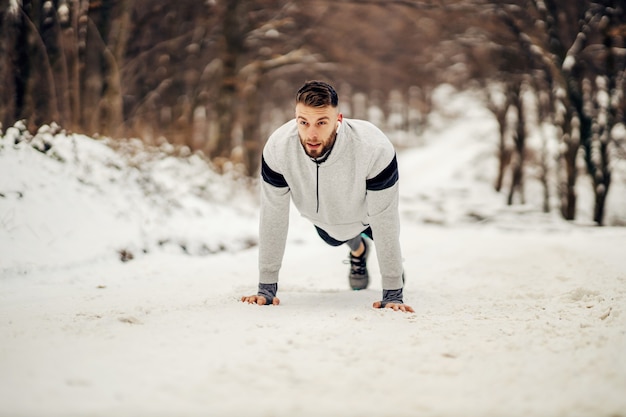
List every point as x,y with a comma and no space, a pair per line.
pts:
274,219
382,206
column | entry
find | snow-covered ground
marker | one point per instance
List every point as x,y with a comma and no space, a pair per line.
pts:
518,313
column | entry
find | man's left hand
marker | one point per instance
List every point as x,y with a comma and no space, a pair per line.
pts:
395,306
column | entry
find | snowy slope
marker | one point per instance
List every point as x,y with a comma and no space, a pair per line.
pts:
517,313
82,201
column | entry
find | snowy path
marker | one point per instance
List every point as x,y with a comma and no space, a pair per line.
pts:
517,313
506,323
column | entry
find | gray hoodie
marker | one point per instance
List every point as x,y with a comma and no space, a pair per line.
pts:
355,187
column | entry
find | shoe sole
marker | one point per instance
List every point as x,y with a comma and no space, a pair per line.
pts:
358,284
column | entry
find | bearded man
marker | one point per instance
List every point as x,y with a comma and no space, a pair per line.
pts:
342,175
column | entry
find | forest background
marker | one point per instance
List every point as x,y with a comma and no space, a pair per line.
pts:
217,76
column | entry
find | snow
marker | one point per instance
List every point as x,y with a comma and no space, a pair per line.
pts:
518,313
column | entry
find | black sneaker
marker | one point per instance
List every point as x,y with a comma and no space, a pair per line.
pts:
359,278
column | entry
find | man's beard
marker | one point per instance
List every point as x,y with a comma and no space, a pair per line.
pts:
323,149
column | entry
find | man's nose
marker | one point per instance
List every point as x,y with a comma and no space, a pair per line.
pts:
312,133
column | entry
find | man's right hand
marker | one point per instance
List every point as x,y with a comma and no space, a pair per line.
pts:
258,299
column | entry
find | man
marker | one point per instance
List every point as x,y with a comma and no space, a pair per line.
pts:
342,175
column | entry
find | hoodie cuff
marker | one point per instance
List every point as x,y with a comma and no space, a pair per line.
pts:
268,291
391,296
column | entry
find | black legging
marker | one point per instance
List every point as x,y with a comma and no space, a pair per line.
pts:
353,243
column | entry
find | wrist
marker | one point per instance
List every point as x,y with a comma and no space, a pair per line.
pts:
268,291
392,296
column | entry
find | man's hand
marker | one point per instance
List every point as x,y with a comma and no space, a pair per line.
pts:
258,299
395,306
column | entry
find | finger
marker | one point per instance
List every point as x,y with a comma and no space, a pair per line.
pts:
250,299
275,301
405,308
377,304
260,300
399,307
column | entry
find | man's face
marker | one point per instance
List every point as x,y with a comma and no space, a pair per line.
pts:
317,128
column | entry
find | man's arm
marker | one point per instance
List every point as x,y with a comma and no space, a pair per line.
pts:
382,207
382,204
273,229
273,223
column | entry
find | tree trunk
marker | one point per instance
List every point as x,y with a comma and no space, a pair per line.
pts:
599,167
232,46
568,163
504,154
9,38
504,158
251,121
36,93
50,31
518,159
102,95
69,47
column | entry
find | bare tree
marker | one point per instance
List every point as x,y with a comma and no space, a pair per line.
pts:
213,76
577,54
566,60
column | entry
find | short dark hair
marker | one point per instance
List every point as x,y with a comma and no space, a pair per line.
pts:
317,94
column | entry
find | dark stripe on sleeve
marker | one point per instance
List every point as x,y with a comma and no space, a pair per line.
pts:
387,177
272,177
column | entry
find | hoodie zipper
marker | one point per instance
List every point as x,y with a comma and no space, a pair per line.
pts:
317,185
319,161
